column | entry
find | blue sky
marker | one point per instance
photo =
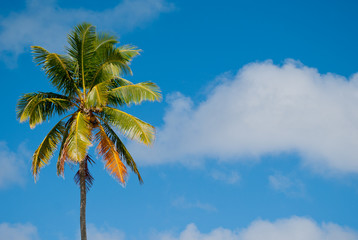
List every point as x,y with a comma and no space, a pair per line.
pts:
257,134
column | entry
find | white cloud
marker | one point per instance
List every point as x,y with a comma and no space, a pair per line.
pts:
294,228
44,23
181,202
280,182
288,185
104,233
18,232
231,177
29,232
13,167
264,109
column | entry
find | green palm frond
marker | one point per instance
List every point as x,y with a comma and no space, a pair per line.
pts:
40,106
121,149
137,93
115,83
58,68
47,147
98,96
129,51
129,126
105,40
82,48
112,63
119,81
79,137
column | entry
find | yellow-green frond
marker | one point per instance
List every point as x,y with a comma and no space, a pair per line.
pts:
47,147
58,69
130,126
98,96
82,49
111,62
39,55
129,51
105,40
115,83
137,93
119,81
79,138
38,107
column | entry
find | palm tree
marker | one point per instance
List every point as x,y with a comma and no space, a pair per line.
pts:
91,90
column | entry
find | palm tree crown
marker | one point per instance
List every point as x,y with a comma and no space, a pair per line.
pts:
91,89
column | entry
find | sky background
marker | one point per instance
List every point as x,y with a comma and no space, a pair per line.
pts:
257,133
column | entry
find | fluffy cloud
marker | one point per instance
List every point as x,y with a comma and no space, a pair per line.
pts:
264,109
294,228
18,231
94,233
44,23
29,232
287,185
13,167
231,177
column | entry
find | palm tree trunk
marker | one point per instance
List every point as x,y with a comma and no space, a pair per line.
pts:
82,171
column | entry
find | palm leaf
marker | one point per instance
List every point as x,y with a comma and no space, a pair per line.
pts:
98,96
105,40
47,147
79,137
119,81
40,106
115,83
112,63
58,68
130,126
137,93
82,45
129,51
107,150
